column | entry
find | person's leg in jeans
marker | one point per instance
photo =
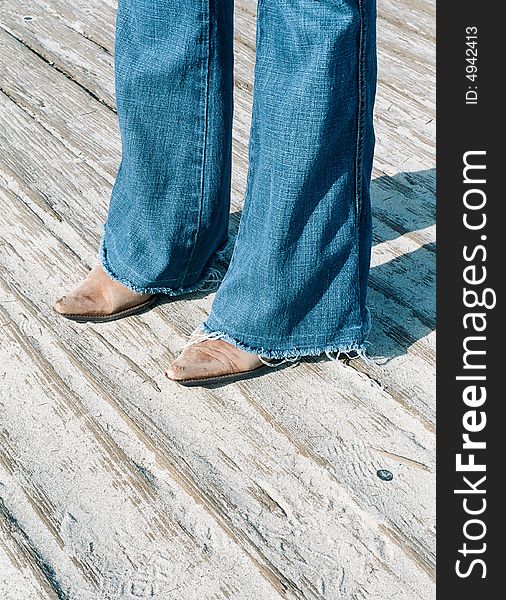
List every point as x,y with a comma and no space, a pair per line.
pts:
169,209
297,282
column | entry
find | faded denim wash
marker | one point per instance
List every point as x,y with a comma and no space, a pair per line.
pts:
297,281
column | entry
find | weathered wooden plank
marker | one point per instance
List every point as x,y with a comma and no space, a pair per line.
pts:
229,490
94,20
86,63
21,578
128,529
76,119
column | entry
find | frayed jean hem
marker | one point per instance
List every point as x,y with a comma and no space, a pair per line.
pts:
348,347
209,281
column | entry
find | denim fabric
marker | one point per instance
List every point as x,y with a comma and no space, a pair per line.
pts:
297,281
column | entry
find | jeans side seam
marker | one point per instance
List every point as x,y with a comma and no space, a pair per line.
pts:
360,112
207,42
359,188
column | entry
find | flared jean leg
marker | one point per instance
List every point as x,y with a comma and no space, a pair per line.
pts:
297,281
169,207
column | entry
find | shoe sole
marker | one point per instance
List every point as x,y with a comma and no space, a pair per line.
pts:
133,310
222,379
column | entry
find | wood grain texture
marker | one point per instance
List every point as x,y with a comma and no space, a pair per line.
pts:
115,483
22,573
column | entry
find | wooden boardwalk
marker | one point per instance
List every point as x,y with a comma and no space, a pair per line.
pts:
116,483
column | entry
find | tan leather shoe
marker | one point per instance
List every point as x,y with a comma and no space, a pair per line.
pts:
214,361
99,298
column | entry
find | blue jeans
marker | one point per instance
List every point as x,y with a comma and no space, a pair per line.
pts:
297,281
